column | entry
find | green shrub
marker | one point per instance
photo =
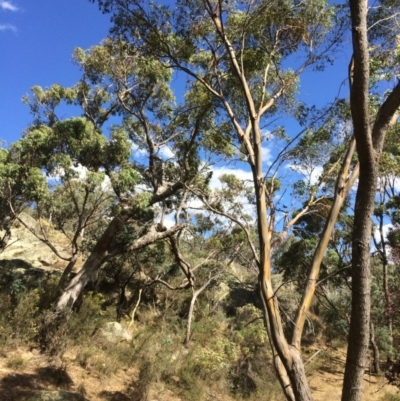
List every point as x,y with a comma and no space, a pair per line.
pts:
85,322
17,363
106,365
25,318
84,356
390,397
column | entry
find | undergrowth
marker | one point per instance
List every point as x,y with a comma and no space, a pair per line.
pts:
226,354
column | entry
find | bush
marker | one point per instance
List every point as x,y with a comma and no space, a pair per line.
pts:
19,323
390,397
90,317
17,363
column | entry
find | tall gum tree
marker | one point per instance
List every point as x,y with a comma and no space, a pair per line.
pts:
164,139
235,53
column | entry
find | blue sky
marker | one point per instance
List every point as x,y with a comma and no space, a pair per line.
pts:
37,38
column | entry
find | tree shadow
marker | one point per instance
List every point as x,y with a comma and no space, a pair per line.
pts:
54,376
115,396
21,386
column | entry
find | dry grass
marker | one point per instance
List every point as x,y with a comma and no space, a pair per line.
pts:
152,367
20,381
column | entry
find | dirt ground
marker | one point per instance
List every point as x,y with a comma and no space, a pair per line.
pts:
24,374
327,379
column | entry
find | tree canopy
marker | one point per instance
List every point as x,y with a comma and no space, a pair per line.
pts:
138,167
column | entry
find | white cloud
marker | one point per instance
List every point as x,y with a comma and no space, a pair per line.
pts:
165,152
8,6
194,204
267,135
106,184
386,228
138,152
316,174
81,170
219,171
60,172
82,174
8,27
266,155
169,220
311,176
397,184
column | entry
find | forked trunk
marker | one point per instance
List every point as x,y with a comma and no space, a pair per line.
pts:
288,363
280,370
289,356
298,377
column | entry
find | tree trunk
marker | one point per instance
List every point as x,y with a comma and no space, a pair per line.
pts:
94,262
190,317
8,222
192,303
55,318
67,271
375,351
280,370
342,188
381,247
98,256
358,340
288,364
4,241
302,389
289,355
369,146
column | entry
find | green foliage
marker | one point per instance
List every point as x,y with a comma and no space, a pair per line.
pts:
125,179
390,397
273,184
336,315
90,317
16,363
22,320
241,78
251,333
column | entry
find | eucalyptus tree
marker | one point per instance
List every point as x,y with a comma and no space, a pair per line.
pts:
20,184
70,203
6,219
151,155
237,55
